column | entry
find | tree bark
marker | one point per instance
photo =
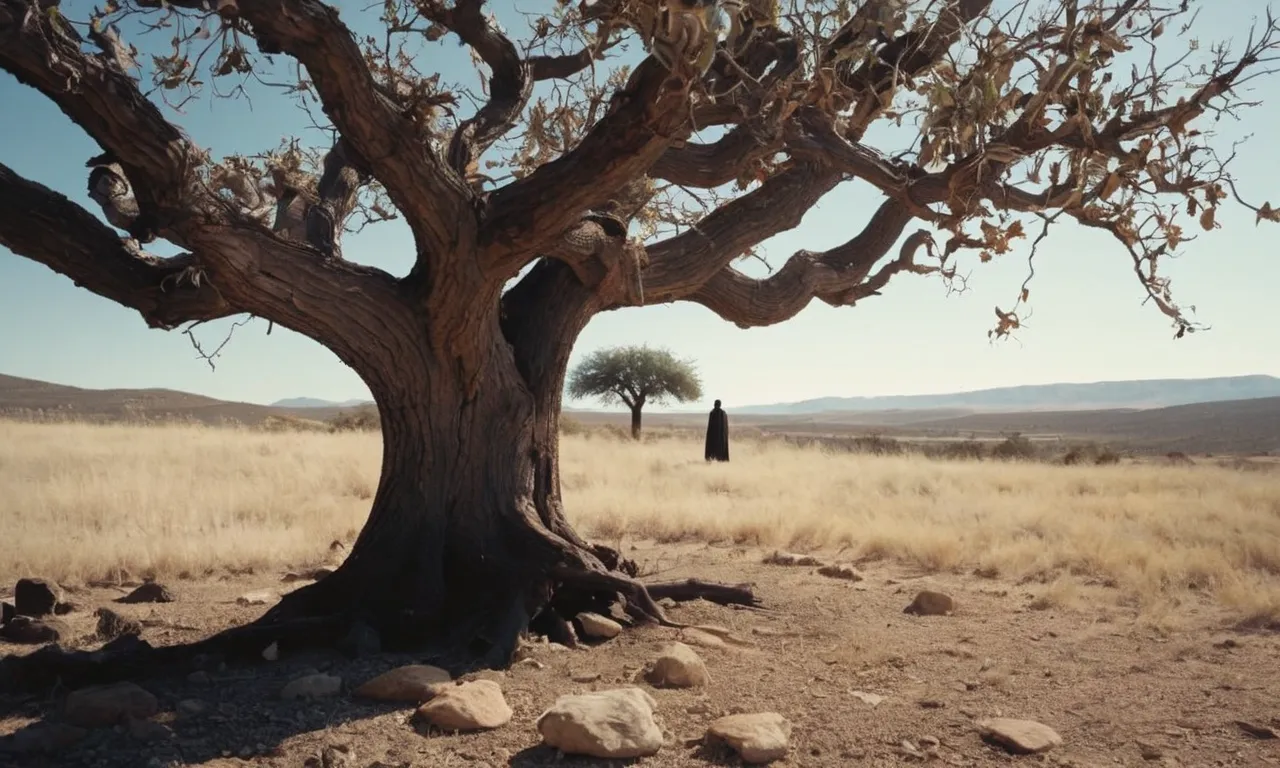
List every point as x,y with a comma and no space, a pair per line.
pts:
635,420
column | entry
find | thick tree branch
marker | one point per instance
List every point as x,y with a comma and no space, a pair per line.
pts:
43,50
709,165
837,276
643,119
434,200
46,227
510,84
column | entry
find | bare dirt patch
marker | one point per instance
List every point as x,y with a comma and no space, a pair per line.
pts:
1119,687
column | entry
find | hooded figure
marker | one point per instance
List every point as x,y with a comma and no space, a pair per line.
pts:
717,448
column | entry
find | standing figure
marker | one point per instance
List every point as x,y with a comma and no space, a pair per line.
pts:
717,448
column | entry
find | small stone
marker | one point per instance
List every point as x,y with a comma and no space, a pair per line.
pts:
414,682
260,597
930,603
7,612
584,677
757,738
677,666
841,571
361,640
338,756
312,686
148,730
932,703
870,699
1149,751
64,607
668,603
608,724
45,738
112,625
1019,736
598,627
191,707
148,592
1256,731
29,631
199,677
35,597
473,706
106,705
271,652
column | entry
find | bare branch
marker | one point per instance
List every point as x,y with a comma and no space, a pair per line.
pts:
838,276
44,226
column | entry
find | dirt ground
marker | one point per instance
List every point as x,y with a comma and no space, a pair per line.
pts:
1120,689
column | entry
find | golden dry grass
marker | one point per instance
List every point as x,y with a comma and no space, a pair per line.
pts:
77,501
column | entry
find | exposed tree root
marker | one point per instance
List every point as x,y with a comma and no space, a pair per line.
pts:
488,641
694,589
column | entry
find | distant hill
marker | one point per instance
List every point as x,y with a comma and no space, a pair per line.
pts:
1148,393
20,396
311,402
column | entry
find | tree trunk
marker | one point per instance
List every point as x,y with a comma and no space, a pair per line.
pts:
467,544
635,421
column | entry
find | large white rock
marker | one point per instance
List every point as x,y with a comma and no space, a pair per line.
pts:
476,705
599,627
1021,736
678,666
412,682
616,723
759,738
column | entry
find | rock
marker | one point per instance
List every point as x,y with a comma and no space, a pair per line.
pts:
1149,751
191,707
677,666
871,699
35,597
260,597
338,756
271,652
106,705
29,631
7,611
45,738
199,677
474,706
1254,730
841,571
758,738
360,640
1019,736
415,682
790,558
313,686
610,724
930,603
112,625
148,730
598,627
148,592
64,607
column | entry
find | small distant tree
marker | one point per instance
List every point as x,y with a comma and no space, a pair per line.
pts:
635,376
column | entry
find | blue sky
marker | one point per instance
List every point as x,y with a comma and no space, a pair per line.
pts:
1088,324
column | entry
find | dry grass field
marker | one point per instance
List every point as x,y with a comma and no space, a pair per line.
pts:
83,502
1133,608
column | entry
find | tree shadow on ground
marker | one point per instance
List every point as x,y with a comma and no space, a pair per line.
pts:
227,711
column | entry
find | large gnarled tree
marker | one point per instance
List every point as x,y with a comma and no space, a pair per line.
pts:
609,195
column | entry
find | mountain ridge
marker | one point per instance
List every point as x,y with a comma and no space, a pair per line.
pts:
1097,395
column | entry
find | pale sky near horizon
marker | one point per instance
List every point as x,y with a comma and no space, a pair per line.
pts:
1089,322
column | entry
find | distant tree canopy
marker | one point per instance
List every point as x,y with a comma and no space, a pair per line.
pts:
635,376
